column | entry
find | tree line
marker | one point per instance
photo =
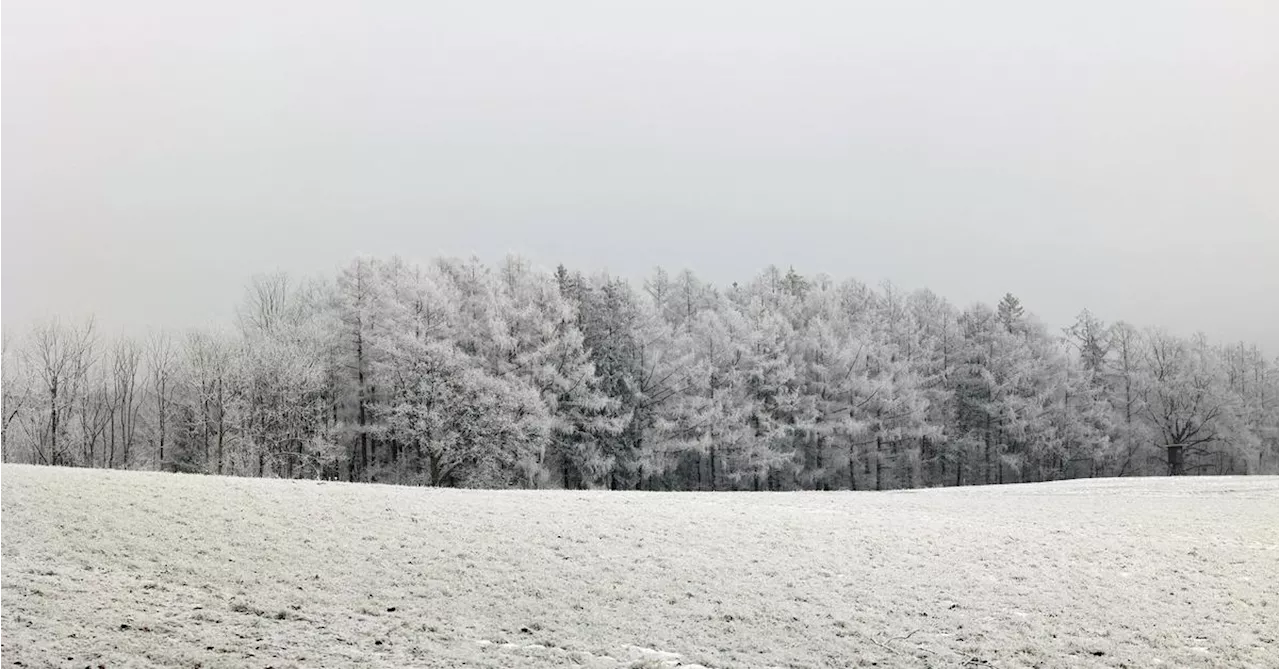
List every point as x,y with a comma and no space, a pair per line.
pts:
454,373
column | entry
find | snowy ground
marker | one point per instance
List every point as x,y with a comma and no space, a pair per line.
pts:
141,569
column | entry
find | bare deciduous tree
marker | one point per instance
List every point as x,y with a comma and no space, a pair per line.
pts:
126,403
58,358
162,362
16,390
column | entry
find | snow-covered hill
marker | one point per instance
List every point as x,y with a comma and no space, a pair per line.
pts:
143,569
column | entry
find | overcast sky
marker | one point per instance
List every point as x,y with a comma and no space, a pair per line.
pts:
1120,156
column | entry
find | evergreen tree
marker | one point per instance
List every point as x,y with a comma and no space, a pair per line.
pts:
1010,312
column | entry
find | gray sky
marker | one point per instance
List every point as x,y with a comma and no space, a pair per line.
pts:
1120,156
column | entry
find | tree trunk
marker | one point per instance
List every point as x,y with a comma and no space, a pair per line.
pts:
205,420
1176,465
878,444
434,463
713,468
53,421
161,420
853,464
221,427
111,442
986,439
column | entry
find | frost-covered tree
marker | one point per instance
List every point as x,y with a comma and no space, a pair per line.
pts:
1125,369
457,423
357,305
1086,423
548,354
621,336
282,376
127,402
935,364
897,406
459,365
205,392
771,396
665,373
17,392
57,357
1091,339
595,411
1195,419
162,372
830,356
711,420
1005,390
93,413
1010,312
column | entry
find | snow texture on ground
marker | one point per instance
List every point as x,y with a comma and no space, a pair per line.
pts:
112,569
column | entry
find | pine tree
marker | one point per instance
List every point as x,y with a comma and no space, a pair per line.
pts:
1010,312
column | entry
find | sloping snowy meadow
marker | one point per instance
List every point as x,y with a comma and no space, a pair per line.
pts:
110,568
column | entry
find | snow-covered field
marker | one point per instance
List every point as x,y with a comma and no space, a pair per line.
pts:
141,569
